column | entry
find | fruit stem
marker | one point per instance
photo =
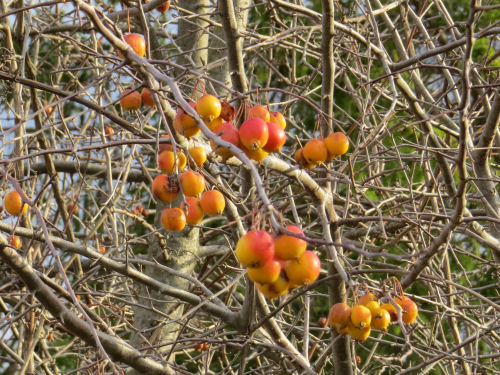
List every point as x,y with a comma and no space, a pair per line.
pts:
128,19
397,287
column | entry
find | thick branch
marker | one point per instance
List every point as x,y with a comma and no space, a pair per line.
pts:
118,349
216,309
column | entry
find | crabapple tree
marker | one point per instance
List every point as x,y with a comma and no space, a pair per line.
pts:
236,186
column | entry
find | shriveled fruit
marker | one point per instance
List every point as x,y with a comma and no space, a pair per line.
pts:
257,155
228,111
267,273
130,100
288,247
173,219
255,248
192,183
147,98
303,270
381,319
315,151
367,297
199,155
361,316
337,143
410,309
339,316
165,188
167,160
276,289
278,118
276,139
193,211
392,311
358,334
137,42
13,203
254,133
212,202
14,241
208,107
227,132
164,7
259,112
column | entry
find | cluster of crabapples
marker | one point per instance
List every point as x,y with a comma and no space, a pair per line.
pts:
262,133
318,151
357,321
166,188
277,263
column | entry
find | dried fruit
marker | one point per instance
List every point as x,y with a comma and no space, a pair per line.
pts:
228,111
